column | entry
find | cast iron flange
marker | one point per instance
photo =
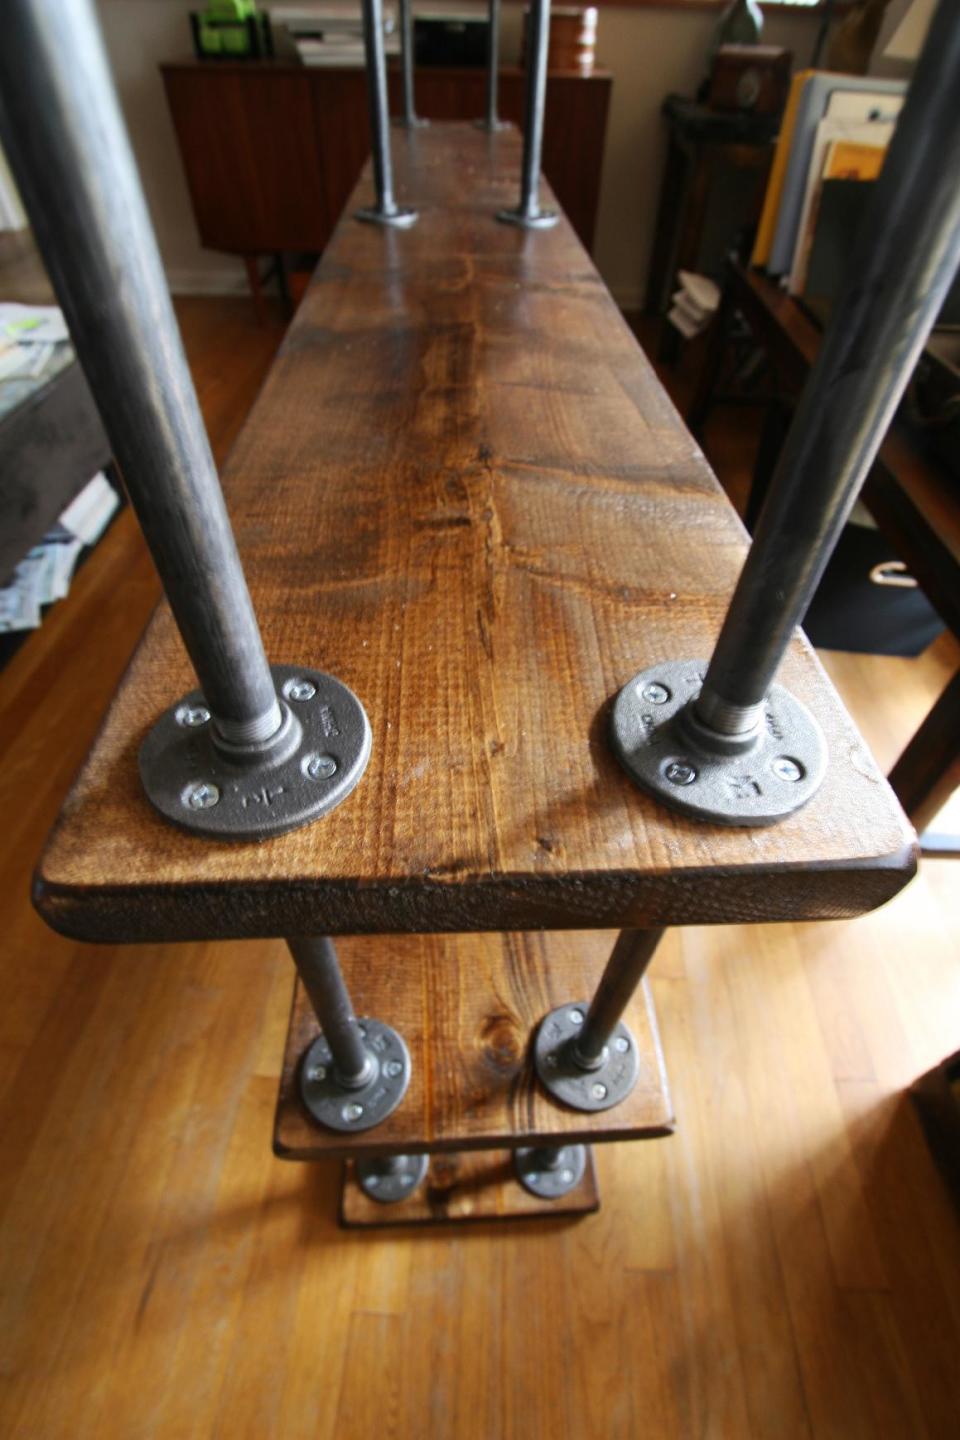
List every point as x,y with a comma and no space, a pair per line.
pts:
753,780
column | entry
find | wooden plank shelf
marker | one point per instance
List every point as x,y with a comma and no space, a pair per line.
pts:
475,1186
464,492
467,1007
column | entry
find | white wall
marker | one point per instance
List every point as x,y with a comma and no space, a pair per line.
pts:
651,51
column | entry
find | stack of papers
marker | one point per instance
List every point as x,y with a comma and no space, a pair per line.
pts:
44,575
693,304
28,336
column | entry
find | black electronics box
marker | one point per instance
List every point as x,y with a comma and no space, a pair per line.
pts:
456,40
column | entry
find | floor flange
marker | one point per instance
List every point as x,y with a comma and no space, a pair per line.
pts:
550,1173
391,1178
401,218
351,1108
316,760
582,1087
540,220
781,771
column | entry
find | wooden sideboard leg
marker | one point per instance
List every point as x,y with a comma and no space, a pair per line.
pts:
252,263
928,771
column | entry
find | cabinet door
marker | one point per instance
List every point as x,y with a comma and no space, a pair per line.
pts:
249,148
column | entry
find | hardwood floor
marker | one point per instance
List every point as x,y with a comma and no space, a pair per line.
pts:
785,1265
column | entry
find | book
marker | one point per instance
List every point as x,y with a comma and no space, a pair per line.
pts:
771,200
843,137
821,93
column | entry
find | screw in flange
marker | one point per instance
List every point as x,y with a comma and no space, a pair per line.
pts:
201,795
299,689
320,767
786,768
656,693
353,1111
680,772
192,716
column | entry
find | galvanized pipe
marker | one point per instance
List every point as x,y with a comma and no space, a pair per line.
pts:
902,263
492,120
410,118
319,969
626,967
535,97
62,130
376,66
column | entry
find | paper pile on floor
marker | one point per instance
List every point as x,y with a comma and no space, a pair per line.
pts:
28,334
44,575
693,304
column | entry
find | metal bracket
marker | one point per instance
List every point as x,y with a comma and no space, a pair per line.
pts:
389,1178
399,219
762,778
539,220
574,1081
550,1173
340,1106
227,793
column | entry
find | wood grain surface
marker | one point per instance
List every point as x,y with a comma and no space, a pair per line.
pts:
473,1186
464,492
783,1267
467,1007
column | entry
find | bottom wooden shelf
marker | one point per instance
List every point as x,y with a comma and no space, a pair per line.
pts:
467,1007
471,1186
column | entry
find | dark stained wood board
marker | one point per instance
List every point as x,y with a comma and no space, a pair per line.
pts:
467,1007
474,1186
464,492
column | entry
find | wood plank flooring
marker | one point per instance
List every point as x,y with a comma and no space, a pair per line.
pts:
785,1265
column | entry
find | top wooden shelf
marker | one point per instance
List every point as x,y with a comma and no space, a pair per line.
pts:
464,492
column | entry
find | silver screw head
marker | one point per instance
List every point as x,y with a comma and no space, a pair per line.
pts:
317,1072
299,690
392,1069
320,767
406,1179
786,768
656,693
576,1017
192,715
598,1091
371,1181
201,795
533,1176
566,1177
622,1044
353,1111
680,772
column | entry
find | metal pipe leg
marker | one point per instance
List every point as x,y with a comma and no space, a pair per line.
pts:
62,129
410,120
550,1171
722,741
491,120
386,210
357,1071
528,214
586,1056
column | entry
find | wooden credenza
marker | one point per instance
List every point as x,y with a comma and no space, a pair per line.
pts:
272,149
